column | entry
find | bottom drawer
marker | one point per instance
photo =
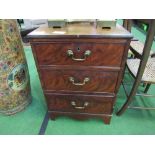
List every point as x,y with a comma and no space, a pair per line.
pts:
80,103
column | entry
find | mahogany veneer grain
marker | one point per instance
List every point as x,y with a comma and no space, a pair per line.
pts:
104,68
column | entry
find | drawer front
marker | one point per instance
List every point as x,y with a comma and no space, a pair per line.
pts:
80,103
79,80
95,54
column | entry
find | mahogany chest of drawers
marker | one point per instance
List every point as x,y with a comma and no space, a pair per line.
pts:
80,68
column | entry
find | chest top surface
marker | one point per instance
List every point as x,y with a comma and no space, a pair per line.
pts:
80,31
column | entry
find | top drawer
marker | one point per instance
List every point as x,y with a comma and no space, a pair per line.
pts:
88,54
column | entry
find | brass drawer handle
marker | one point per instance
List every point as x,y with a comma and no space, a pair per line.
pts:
73,103
86,79
71,54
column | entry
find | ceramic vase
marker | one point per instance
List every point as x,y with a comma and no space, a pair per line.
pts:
15,92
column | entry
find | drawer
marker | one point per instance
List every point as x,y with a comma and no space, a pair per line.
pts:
80,103
78,80
95,54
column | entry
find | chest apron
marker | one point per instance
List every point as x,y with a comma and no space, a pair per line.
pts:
14,77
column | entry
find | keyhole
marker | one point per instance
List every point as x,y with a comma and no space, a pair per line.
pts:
78,49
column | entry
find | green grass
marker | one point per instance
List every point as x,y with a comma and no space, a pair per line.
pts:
29,121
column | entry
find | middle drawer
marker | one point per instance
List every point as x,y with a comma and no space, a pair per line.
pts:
78,80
